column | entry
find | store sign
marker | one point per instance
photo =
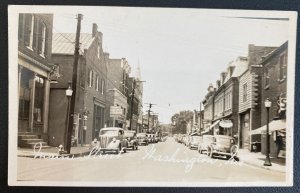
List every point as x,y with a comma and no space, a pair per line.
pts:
226,123
115,111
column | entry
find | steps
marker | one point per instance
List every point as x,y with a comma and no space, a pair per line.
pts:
29,140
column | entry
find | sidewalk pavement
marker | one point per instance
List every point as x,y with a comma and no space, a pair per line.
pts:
53,151
258,159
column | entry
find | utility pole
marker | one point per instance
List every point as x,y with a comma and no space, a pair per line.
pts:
74,84
149,110
132,98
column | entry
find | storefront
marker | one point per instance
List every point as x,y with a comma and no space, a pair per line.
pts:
33,101
277,132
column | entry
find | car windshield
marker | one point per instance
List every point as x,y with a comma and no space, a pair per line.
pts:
129,134
109,132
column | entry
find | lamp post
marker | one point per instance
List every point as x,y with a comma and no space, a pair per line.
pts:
69,93
268,104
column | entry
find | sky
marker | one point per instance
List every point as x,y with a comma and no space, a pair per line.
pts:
180,51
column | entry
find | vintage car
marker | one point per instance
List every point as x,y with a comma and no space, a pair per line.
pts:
194,140
223,145
156,138
142,138
131,139
205,142
185,140
179,138
112,139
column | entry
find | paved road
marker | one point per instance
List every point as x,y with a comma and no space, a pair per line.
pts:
165,161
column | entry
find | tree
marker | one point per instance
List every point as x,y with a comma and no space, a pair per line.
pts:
180,120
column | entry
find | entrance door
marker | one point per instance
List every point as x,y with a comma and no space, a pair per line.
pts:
245,131
99,120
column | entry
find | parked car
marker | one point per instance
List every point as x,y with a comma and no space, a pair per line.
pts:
142,138
180,137
112,139
223,145
156,138
194,140
185,140
132,139
151,138
205,142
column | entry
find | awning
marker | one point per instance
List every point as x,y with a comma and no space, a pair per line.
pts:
226,123
273,126
210,127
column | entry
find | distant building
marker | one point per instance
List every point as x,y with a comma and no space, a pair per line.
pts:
91,86
118,71
208,112
35,70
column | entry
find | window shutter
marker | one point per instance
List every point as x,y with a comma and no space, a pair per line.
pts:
21,24
40,38
46,41
35,33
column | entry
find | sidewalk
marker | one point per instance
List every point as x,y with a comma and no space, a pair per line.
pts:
258,159
53,151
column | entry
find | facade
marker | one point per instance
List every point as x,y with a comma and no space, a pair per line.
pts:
35,70
208,104
225,118
90,105
274,88
117,74
250,96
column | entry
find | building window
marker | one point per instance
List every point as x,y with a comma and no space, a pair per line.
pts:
97,83
245,92
91,78
42,39
98,51
102,86
38,99
29,24
282,67
267,77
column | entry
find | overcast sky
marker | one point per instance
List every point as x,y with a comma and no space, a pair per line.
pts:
180,51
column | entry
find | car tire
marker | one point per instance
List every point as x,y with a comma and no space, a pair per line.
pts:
134,147
190,147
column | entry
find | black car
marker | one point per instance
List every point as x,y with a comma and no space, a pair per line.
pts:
132,139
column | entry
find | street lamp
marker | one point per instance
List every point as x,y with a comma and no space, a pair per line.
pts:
268,104
69,93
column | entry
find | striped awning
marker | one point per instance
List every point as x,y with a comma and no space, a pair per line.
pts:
273,126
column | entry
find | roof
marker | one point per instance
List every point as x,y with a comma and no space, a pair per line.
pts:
240,66
64,43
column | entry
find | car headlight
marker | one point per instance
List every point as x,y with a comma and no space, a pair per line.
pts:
114,139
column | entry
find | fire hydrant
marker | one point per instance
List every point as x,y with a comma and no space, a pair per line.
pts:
60,149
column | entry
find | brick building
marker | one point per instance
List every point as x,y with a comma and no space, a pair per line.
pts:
91,86
274,88
35,70
250,96
208,112
117,75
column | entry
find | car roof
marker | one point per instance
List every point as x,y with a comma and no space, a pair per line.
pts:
111,129
129,131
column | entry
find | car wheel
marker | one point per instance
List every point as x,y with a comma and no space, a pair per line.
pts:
190,147
133,147
136,147
228,157
124,149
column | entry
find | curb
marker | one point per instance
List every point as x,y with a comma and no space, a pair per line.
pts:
66,155
262,167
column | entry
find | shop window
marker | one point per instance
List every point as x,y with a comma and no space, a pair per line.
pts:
26,83
38,99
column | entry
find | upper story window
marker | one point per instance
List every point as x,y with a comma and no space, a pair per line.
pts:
42,39
28,30
102,86
98,51
245,88
267,77
97,83
282,66
91,78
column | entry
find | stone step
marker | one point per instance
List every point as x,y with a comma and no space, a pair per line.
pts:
31,140
31,145
28,137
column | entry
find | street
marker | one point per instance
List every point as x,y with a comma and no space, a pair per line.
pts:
166,161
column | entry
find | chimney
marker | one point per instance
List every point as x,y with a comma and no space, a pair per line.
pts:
95,29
